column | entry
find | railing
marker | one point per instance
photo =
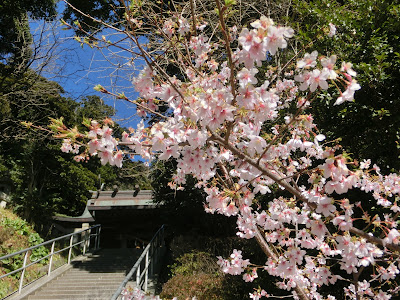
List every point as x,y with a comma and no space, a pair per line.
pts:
147,260
84,237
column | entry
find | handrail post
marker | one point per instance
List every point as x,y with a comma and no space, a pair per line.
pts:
95,239
151,250
138,277
70,249
51,257
21,281
98,240
156,250
88,238
84,242
147,271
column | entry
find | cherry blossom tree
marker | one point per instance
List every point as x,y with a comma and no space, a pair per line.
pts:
239,121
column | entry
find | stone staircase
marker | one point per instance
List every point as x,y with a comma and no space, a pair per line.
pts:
95,278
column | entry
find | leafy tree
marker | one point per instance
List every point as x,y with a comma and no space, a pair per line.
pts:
92,107
28,98
368,34
15,37
45,180
110,12
33,157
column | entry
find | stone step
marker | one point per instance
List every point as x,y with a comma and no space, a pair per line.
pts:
66,287
90,278
78,290
106,271
90,281
77,276
99,268
104,266
92,296
93,282
95,272
99,262
105,293
108,262
96,278
86,279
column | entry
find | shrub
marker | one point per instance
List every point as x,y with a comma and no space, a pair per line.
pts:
202,286
195,262
194,274
16,234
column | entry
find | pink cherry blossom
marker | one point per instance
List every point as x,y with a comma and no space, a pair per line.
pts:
348,94
247,77
329,66
318,79
262,23
276,38
309,60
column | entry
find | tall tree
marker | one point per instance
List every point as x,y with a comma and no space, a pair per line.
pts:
15,37
45,180
368,34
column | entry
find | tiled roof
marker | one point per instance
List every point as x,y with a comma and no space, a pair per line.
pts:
105,200
86,217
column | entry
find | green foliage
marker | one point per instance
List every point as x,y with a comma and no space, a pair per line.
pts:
15,231
194,271
131,174
195,262
15,37
368,34
5,287
31,98
45,181
71,190
16,234
110,12
202,286
102,10
40,252
18,226
94,108
195,274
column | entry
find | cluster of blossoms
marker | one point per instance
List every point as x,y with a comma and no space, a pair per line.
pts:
217,134
101,143
318,78
236,265
257,295
136,294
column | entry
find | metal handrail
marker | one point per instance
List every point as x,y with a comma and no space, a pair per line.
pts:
47,242
153,249
85,241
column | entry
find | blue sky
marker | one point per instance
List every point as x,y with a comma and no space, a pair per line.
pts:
78,69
